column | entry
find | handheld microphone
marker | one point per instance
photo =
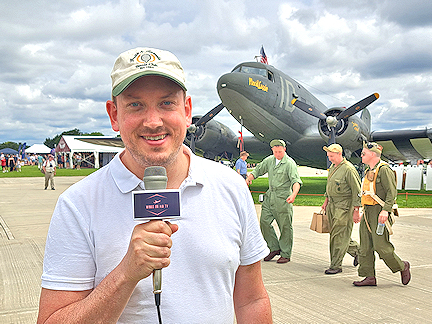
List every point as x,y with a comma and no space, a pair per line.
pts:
155,178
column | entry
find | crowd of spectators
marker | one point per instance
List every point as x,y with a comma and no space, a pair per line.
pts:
14,162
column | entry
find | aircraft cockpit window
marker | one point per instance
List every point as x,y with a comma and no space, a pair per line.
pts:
252,70
270,76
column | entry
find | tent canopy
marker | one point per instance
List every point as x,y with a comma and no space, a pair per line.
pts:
8,150
38,148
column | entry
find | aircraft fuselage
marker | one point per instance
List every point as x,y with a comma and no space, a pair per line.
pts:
259,97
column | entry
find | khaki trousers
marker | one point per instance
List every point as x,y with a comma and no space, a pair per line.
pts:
370,242
276,208
340,242
49,177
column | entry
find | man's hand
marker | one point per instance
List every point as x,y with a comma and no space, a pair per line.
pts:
324,205
249,179
383,215
149,249
295,190
356,215
291,199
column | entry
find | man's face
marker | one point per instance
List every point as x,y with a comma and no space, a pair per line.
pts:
334,157
367,155
278,152
152,115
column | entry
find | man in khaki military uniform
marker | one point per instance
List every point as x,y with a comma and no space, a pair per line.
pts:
342,205
284,185
382,180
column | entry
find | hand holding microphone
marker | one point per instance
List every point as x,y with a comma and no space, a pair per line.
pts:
149,249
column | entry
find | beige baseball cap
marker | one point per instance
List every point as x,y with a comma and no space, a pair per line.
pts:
141,61
335,148
277,142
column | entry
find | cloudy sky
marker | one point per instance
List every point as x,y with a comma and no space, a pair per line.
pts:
56,57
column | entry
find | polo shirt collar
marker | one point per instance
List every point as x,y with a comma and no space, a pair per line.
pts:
195,174
126,181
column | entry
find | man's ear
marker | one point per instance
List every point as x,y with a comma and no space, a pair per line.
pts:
188,110
112,113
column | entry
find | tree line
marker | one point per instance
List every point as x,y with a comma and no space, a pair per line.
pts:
51,142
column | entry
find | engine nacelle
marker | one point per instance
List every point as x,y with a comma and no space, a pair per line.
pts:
350,132
214,139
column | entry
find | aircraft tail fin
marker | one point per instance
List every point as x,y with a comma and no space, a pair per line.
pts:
366,118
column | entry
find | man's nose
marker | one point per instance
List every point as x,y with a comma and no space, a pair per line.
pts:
153,118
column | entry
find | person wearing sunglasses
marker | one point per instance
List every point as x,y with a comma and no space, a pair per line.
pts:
377,207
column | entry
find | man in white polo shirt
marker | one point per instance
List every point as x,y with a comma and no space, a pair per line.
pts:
98,261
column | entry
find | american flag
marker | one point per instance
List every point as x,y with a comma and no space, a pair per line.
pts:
263,56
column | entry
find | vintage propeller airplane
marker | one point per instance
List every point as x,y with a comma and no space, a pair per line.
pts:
272,105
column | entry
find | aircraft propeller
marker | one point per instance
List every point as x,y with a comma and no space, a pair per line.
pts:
193,128
333,121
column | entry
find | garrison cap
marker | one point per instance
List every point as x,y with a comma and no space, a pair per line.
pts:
277,142
374,147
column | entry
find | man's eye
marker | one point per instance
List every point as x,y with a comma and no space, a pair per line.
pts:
167,103
135,104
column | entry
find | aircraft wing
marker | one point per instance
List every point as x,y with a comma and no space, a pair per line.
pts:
405,145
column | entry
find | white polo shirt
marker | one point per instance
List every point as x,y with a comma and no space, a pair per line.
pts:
218,231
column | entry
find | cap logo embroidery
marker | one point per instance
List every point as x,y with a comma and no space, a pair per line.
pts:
145,58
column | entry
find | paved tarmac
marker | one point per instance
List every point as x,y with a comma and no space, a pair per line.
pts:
300,292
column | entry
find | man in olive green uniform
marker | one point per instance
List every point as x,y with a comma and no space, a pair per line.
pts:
342,205
379,180
284,185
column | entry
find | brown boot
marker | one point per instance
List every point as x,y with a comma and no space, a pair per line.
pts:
405,273
283,260
332,271
271,255
368,281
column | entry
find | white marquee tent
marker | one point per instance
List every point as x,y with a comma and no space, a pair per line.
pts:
93,154
38,148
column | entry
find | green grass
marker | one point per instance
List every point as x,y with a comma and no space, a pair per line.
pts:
312,193
33,171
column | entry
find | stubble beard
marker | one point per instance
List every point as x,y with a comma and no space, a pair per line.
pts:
155,156
151,160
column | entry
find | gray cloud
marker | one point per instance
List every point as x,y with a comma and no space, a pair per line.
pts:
56,57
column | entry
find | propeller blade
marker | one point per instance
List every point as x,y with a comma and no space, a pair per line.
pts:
192,143
332,140
332,137
204,119
362,104
308,109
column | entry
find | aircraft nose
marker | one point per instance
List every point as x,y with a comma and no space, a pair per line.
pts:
226,81
233,83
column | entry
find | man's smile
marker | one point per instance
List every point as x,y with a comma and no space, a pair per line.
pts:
155,138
